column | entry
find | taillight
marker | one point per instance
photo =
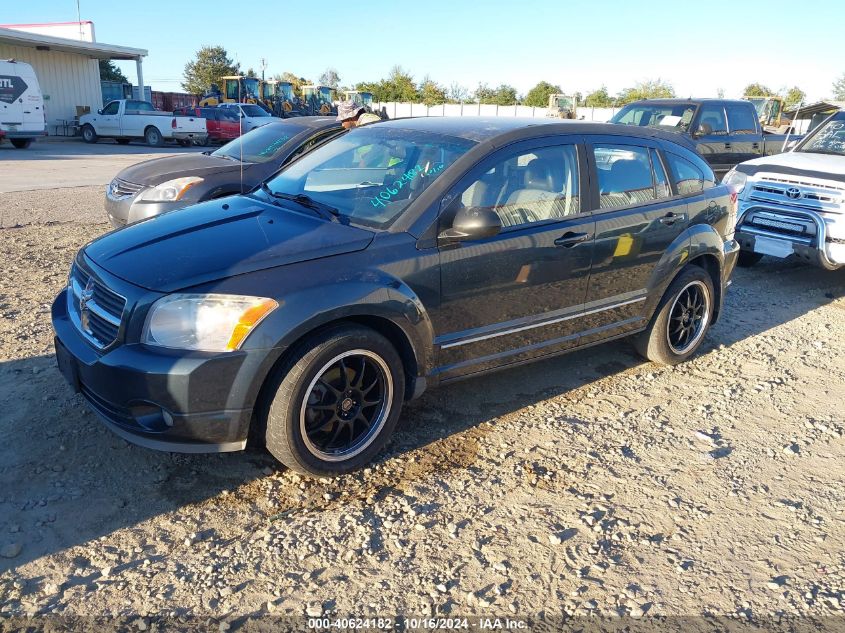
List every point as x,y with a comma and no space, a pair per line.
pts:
173,123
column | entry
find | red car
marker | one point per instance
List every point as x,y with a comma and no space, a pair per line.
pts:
222,125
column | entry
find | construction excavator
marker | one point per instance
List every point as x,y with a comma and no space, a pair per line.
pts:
236,89
318,100
561,106
770,112
278,98
362,97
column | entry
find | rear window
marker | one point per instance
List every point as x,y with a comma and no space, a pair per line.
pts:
688,178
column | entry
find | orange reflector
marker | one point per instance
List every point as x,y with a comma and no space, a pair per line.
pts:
249,319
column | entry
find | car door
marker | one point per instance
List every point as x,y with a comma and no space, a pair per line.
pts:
710,131
107,122
639,216
518,294
746,135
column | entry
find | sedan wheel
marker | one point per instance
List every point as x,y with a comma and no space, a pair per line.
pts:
334,402
688,318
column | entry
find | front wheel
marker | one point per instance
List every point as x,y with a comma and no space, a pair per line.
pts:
336,402
681,320
21,143
153,137
89,135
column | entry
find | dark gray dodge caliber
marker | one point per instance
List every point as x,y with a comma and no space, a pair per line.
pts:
396,257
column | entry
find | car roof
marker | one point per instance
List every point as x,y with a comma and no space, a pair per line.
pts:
311,122
509,129
689,101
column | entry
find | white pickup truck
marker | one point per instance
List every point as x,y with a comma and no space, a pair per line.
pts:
794,203
127,119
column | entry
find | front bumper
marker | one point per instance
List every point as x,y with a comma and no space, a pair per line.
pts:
767,230
128,210
161,399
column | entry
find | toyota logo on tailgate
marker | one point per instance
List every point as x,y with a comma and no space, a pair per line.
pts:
793,192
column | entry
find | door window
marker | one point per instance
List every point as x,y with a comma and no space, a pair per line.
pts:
687,177
625,175
742,118
712,120
529,186
111,108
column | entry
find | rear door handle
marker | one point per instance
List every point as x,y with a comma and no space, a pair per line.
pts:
570,239
670,218
727,145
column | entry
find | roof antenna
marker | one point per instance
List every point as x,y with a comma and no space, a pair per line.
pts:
241,134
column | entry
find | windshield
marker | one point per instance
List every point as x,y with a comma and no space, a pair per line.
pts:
262,144
250,85
828,138
254,110
676,115
371,174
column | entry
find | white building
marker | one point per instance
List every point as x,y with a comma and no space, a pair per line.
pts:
65,58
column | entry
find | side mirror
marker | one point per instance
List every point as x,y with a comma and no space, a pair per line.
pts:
472,223
99,111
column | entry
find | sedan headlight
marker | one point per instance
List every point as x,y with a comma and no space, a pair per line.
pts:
205,322
170,191
735,180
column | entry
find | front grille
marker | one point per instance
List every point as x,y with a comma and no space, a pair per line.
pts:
119,188
94,309
797,193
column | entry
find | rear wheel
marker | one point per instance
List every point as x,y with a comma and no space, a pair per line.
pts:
21,143
747,259
88,134
201,142
153,137
681,320
337,401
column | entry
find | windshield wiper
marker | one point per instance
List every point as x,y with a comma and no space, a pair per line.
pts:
323,210
829,152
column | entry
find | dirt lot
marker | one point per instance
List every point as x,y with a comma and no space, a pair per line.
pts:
589,484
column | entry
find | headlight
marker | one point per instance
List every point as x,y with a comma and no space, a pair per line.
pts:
735,180
206,322
170,191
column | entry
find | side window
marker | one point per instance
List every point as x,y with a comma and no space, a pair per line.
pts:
711,120
111,108
661,185
686,176
624,175
530,186
742,119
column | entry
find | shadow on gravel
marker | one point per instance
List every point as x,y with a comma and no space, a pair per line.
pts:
65,480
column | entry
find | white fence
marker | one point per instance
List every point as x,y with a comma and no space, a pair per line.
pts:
396,110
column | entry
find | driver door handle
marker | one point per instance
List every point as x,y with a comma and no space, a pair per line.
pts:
670,218
570,239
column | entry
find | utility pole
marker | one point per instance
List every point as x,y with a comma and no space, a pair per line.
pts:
263,66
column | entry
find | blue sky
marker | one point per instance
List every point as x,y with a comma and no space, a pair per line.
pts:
699,47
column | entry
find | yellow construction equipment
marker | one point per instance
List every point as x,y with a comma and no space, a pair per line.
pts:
236,89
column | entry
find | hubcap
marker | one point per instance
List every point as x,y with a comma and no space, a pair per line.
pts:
688,317
346,405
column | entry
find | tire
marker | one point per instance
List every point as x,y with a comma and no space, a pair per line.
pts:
21,143
314,369
89,135
153,137
123,141
747,259
202,142
669,347
184,142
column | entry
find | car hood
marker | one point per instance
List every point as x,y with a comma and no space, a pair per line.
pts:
821,166
159,170
218,239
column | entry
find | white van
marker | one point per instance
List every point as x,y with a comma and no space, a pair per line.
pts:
22,117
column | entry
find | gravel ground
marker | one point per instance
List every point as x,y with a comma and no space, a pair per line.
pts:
591,484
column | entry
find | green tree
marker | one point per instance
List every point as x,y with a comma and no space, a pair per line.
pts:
457,93
649,89
598,99
431,93
839,88
296,82
793,97
250,72
538,96
110,72
211,63
399,86
757,90
330,78
502,95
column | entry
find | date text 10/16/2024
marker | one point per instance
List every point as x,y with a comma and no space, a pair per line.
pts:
391,190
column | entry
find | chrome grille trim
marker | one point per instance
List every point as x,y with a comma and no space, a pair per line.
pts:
119,188
103,308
